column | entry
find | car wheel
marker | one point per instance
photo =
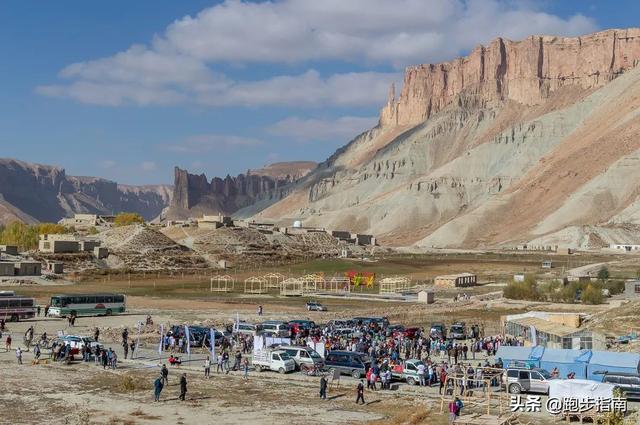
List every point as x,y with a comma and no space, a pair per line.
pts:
515,389
356,373
281,370
258,368
15,318
109,312
411,381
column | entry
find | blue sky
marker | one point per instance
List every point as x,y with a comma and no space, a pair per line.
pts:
126,90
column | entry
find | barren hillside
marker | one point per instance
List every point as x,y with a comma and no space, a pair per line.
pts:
515,142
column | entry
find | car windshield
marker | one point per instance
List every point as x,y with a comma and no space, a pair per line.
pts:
285,356
544,373
315,355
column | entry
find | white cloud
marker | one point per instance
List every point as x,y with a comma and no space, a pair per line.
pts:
178,65
204,143
148,166
304,130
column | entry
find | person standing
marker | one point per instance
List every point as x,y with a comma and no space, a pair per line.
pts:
38,311
207,367
157,385
164,372
323,388
96,334
183,386
220,363
125,348
133,348
7,344
360,392
421,371
245,369
19,355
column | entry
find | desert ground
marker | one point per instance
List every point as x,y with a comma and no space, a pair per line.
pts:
84,393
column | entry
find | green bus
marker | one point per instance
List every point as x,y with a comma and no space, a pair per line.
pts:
87,305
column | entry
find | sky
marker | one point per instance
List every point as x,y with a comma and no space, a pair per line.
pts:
127,90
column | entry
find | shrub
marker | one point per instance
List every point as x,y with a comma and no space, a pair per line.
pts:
126,219
592,294
527,290
615,286
603,274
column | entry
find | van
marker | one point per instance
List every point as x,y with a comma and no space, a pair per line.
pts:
348,363
275,327
305,357
382,322
521,380
629,383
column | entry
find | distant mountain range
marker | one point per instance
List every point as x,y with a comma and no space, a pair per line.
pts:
38,193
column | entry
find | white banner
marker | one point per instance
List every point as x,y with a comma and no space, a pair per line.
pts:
161,345
212,339
534,336
187,336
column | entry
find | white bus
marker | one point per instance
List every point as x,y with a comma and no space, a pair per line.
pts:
15,307
87,305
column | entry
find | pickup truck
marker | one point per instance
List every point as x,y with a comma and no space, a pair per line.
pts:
407,371
275,360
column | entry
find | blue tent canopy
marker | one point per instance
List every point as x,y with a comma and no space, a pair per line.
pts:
602,361
566,361
519,356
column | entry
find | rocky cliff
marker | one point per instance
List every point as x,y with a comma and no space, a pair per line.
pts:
527,72
34,192
194,195
515,142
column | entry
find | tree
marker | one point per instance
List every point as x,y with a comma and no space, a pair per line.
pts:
127,219
527,290
592,294
26,236
603,274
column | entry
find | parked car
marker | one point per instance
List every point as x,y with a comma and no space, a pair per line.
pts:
394,329
629,383
348,363
276,360
315,306
76,342
410,333
458,331
382,322
275,328
521,380
341,323
305,357
407,371
246,328
347,332
303,324
438,330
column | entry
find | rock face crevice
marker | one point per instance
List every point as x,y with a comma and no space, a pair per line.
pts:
525,71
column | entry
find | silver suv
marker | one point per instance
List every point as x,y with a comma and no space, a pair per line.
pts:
521,380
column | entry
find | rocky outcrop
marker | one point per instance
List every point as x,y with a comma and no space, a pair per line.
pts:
518,140
195,194
525,71
47,193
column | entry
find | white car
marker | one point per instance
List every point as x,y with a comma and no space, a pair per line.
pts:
277,360
75,341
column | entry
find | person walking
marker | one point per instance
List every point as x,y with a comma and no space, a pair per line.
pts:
19,355
323,388
164,372
7,344
207,367
360,392
133,348
183,386
220,364
157,386
96,334
245,369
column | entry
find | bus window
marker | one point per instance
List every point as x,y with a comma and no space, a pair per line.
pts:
100,300
119,298
65,301
91,300
14,303
4,303
108,299
26,303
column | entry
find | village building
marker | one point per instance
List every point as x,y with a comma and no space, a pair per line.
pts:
552,330
7,268
9,249
456,280
86,221
626,247
214,221
28,268
65,244
56,267
632,289
100,252
426,297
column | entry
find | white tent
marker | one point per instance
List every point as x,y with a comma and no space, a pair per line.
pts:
581,389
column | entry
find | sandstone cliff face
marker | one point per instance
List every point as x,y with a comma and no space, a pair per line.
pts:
514,142
525,71
46,193
194,194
